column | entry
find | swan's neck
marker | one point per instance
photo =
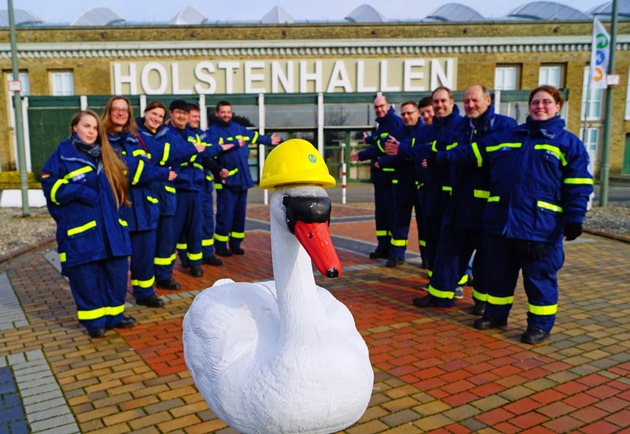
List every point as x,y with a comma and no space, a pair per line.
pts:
298,301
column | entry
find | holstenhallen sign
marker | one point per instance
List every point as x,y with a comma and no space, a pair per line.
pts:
282,76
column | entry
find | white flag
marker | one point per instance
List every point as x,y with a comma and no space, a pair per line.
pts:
600,56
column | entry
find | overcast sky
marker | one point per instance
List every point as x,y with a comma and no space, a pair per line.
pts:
65,11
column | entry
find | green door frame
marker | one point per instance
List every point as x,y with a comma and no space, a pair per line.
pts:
625,167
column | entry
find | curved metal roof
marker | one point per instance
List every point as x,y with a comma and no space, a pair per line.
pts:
188,15
22,18
455,12
277,15
365,14
623,9
450,12
546,10
98,17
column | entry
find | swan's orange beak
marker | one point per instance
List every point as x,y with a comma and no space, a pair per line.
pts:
315,238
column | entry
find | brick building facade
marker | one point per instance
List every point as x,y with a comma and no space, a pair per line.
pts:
240,59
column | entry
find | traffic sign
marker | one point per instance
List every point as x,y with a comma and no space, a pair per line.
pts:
15,85
613,79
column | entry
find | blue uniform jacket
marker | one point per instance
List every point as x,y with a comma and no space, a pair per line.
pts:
200,137
235,159
191,174
540,179
159,153
471,184
165,149
442,134
144,211
406,183
80,200
386,124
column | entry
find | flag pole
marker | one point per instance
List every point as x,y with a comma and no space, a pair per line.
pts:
605,168
587,108
17,108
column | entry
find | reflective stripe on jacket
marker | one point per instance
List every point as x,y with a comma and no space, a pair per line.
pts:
144,211
440,135
405,187
235,159
471,184
540,178
190,175
389,123
81,201
166,149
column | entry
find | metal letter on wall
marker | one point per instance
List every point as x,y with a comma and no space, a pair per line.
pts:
282,76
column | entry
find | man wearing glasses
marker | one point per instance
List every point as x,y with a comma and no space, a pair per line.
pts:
388,121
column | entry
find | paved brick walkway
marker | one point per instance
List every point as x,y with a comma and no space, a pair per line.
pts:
434,372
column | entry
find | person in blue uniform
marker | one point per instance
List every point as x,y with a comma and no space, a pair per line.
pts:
436,191
405,186
425,107
462,229
232,190
190,184
86,190
540,183
211,168
142,216
168,150
382,178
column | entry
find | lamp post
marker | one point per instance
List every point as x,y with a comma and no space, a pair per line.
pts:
17,108
604,174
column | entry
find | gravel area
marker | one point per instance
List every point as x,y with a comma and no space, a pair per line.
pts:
613,220
20,232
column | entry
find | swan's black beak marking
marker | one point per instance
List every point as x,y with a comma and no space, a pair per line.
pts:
307,210
308,219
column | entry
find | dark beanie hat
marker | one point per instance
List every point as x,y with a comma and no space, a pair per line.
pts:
179,104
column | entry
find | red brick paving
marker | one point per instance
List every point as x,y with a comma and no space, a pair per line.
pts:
434,372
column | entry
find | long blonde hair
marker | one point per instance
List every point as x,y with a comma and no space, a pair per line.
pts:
107,118
115,169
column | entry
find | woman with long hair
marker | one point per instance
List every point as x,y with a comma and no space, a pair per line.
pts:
144,212
86,192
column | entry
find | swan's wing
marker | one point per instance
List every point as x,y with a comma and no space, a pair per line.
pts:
220,282
337,312
223,325
269,285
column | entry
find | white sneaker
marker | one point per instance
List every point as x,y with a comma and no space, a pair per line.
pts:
459,292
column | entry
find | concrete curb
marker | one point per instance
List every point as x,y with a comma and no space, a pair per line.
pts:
622,238
25,249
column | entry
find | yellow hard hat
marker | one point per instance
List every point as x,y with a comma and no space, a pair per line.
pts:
295,161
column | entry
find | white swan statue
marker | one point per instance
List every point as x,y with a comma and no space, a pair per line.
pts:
283,356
